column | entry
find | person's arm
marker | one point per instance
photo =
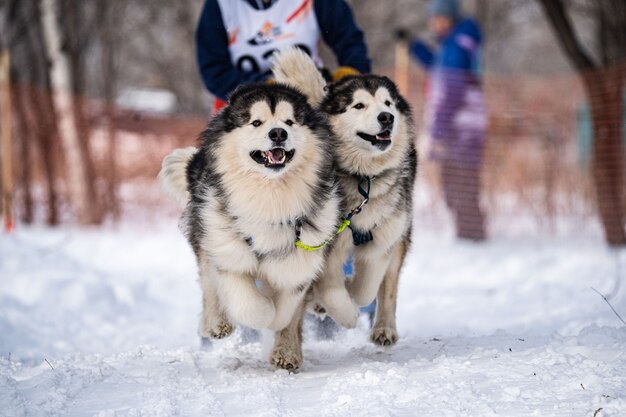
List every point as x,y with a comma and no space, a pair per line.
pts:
341,33
218,73
422,53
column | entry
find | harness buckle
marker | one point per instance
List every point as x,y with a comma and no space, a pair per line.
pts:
359,208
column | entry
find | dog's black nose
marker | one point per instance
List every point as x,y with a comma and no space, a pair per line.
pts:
385,119
278,135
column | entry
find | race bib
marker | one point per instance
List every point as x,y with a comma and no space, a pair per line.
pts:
254,35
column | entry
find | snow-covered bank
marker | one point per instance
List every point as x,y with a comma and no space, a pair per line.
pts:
508,327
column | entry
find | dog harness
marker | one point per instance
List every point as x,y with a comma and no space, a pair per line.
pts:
361,238
309,248
358,238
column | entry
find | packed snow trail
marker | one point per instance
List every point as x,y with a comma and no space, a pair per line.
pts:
103,323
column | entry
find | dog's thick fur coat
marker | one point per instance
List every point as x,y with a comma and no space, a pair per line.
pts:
264,170
373,142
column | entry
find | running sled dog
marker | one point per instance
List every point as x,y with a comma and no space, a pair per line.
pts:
376,162
261,203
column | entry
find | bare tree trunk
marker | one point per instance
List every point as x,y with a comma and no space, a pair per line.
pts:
482,13
83,130
111,163
605,95
40,100
7,145
60,77
604,92
25,140
549,140
74,45
110,77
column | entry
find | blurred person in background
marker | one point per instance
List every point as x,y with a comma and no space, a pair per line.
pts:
455,112
235,39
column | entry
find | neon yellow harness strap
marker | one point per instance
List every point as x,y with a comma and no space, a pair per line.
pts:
308,248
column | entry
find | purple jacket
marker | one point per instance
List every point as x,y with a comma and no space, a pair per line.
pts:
456,112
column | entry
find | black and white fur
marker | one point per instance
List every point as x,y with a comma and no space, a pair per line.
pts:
373,137
265,164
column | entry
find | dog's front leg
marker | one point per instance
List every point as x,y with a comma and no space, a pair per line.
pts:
331,291
287,351
213,321
286,301
369,273
242,300
384,331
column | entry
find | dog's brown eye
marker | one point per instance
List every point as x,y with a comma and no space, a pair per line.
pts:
387,103
289,122
359,106
257,123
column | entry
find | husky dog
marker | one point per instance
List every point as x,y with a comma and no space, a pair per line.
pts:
261,183
376,163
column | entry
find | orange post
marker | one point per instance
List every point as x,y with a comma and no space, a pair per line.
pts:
402,67
7,152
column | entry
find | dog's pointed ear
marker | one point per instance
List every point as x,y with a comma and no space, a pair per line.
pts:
237,92
330,104
387,79
401,102
393,88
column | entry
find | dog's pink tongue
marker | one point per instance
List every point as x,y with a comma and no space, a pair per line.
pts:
276,156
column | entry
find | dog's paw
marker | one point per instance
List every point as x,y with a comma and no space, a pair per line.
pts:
314,306
219,330
319,309
341,308
286,358
384,336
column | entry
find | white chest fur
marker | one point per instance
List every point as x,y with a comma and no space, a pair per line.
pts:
266,250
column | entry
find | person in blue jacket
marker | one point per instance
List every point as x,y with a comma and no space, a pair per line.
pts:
456,112
235,39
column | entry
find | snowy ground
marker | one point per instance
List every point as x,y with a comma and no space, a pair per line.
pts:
103,323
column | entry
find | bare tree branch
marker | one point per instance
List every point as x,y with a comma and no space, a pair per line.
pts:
556,14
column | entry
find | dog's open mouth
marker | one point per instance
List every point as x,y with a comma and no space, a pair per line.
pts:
381,140
275,158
